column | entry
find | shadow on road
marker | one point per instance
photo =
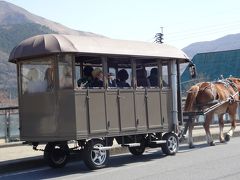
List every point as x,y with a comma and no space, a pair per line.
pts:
76,166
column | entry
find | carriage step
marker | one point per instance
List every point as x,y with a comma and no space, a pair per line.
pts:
132,145
106,148
159,142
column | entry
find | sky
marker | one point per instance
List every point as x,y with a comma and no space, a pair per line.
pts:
183,21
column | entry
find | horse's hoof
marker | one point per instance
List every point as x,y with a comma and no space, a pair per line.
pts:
212,143
227,137
222,141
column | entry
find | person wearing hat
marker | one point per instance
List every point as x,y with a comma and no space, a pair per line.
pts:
97,75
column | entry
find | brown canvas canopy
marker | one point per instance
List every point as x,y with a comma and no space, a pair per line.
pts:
57,43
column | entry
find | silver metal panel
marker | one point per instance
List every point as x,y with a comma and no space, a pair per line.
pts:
97,116
81,105
154,109
174,95
127,112
141,113
112,111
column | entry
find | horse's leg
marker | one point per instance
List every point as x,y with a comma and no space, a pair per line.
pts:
190,136
232,113
221,125
206,126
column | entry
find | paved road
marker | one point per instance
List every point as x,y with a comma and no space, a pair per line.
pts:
219,162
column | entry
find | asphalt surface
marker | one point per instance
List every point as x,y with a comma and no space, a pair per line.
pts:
18,158
209,163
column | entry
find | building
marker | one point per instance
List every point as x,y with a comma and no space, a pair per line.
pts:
212,66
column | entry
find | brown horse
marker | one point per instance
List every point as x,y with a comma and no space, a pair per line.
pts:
226,93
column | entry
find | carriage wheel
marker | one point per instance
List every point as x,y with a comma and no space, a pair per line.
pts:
94,158
137,151
171,145
56,154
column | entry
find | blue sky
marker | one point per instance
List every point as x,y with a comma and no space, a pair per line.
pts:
183,21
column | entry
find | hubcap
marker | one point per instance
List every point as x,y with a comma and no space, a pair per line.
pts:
98,156
172,144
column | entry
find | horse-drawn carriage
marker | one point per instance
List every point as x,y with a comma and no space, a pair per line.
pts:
54,110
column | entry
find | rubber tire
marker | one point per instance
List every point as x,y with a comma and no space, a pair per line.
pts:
89,151
137,151
172,142
50,154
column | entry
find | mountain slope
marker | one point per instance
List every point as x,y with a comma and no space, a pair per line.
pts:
229,42
11,35
12,14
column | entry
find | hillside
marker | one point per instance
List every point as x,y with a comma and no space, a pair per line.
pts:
11,35
229,42
12,14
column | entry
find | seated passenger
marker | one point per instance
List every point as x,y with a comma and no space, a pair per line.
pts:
153,78
87,78
34,83
122,76
66,79
142,78
97,75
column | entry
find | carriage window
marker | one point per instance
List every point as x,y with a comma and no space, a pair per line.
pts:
37,75
165,76
65,72
119,73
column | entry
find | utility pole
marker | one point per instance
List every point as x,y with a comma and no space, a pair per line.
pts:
159,37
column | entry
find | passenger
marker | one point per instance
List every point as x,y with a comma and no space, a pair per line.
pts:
87,78
153,78
97,75
34,83
142,78
66,79
122,76
111,82
32,77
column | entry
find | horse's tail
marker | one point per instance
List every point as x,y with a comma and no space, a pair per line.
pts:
191,98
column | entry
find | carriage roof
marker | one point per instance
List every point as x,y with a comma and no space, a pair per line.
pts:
48,44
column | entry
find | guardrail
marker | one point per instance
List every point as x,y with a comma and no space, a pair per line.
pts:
9,123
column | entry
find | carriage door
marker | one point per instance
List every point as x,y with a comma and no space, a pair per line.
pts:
37,98
126,106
